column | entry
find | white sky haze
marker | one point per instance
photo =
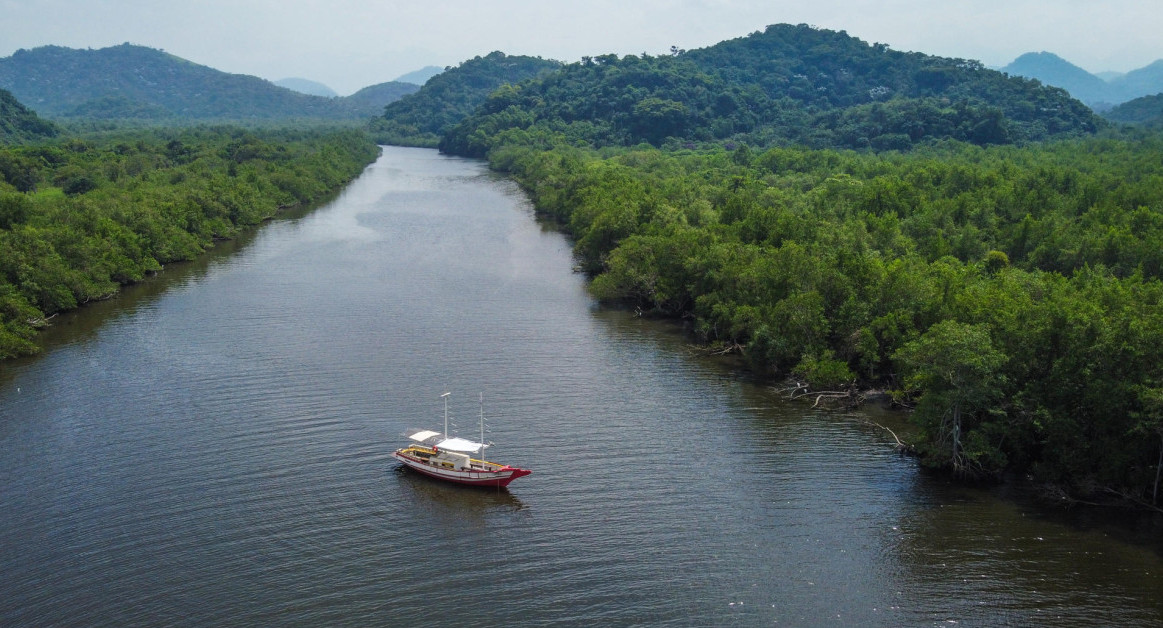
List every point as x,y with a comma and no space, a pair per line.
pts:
350,44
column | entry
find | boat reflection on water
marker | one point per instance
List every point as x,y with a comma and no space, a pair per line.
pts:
461,500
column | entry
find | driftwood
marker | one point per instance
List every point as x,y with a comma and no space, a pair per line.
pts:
901,446
851,395
717,349
799,390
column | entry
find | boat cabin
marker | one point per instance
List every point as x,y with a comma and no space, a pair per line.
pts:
450,460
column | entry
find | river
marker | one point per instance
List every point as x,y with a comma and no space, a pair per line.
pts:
213,448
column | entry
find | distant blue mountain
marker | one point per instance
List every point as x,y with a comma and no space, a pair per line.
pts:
1145,81
421,76
1054,70
1099,91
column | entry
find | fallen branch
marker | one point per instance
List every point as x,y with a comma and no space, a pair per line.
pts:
901,446
851,395
719,349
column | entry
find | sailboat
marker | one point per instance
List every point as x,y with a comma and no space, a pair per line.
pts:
449,458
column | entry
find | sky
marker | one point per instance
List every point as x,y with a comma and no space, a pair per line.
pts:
350,44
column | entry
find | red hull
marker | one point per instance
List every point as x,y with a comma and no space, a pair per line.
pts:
500,477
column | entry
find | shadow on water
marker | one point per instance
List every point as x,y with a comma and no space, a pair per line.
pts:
452,499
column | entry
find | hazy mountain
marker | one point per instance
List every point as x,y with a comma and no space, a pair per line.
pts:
1054,70
130,81
421,76
376,97
20,124
307,86
1142,110
1145,81
1097,90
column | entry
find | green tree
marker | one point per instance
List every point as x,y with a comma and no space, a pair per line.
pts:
958,370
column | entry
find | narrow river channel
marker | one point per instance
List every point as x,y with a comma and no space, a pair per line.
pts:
212,448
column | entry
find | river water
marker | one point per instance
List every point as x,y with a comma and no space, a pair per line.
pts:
212,448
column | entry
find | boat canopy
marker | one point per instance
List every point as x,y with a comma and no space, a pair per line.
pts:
436,439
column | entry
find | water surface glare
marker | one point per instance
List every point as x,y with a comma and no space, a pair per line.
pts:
212,448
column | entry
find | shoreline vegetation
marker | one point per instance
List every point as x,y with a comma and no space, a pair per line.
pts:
1009,296
82,216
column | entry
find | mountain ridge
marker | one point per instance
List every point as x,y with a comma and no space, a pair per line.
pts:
787,85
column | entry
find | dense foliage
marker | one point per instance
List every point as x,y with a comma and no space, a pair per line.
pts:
789,85
130,82
420,119
18,124
79,218
1015,294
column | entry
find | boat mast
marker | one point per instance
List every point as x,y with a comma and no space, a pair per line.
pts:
445,397
482,454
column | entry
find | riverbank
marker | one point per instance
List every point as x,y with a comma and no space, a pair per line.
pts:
1012,295
80,218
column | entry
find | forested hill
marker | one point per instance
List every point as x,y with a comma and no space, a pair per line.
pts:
18,124
1145,110
449,97
135,82
787,85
